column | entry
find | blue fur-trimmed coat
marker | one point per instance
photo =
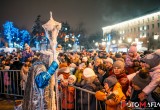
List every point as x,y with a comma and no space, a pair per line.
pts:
36,98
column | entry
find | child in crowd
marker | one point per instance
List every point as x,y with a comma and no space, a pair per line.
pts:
131,56
139,82
68,92
112,95
120,73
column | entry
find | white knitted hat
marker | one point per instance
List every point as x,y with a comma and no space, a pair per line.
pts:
84,59
88,72
73,77
109,60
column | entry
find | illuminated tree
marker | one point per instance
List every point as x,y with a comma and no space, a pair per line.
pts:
24,37
80,33
10,32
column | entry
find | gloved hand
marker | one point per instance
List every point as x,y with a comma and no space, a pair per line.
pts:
100,95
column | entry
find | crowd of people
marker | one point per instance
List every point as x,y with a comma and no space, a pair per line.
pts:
114,77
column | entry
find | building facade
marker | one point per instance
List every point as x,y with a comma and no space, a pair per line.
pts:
144,30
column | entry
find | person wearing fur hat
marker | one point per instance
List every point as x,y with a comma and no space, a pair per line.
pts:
131,56
64,70
112,94
120,73
90,82
39,93
68,93
152,61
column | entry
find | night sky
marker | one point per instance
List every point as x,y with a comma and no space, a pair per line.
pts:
94,14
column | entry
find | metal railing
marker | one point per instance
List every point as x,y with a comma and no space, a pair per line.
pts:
10,81
92,102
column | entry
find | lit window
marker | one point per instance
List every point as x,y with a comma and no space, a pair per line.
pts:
145,27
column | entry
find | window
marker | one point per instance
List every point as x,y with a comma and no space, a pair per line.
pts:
148,19
145,27
158,25
142,35
158,17
153,18
148,27
152,26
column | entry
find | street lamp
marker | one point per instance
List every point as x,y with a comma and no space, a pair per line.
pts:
129,40
156,37
96,44
119,41
113,41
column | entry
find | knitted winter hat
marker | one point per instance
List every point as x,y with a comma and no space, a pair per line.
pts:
133,48
73,65
119,64
88,72
73,77
109,60
111,80
142,79
82,65
121,59
118,55
152,59
84,59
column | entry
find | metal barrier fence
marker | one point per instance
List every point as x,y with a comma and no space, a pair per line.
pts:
10,82
83,100
10,85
